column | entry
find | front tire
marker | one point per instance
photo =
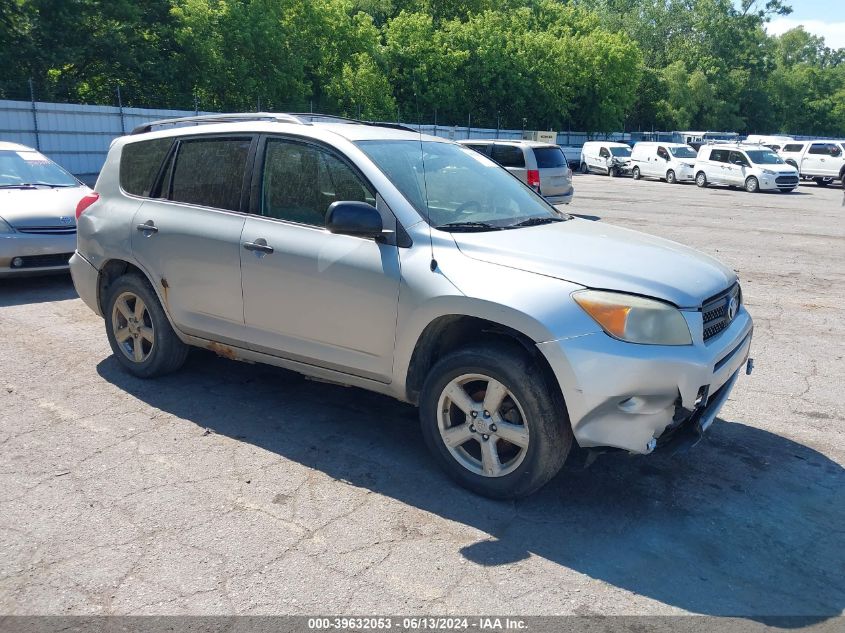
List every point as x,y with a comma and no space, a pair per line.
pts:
671,178
139,333
822,182
752,185
701,179
493,423
584,169
636,173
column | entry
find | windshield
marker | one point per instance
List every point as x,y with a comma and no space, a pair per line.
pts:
28,167
683,152
453,185
764,157
620,152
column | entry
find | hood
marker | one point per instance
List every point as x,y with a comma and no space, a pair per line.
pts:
602,256
41,207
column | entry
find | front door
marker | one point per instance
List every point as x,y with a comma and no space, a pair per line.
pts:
188,239
310,295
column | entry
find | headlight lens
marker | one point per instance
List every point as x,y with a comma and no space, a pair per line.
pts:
768,172
4,227
635,319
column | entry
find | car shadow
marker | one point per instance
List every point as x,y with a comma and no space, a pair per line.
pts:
747,524
41,289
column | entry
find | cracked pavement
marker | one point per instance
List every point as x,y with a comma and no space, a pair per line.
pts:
230,488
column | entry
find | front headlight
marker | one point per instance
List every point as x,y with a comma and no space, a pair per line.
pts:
769,172
635,319
4,227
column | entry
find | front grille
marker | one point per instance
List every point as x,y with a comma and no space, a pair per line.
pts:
49,230
41,261
715,311
787,180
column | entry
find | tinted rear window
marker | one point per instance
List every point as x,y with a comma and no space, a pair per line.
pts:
792,148
139,165
508,155
210,172
549,157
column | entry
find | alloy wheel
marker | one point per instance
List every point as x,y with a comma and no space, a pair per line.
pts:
482,425
132,326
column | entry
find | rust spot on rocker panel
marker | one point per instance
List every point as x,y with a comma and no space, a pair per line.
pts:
222,350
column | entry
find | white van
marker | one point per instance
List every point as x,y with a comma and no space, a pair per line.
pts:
672,162
606,157
753,167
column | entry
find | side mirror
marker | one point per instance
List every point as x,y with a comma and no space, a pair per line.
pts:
354,218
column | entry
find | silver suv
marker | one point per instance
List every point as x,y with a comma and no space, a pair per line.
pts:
541,166
415,267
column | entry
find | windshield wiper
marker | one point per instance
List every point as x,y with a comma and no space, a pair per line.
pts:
468,226
535,222
20,185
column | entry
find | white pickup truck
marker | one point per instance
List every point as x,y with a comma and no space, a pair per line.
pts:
822,161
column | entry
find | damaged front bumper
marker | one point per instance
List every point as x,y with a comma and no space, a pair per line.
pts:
637,397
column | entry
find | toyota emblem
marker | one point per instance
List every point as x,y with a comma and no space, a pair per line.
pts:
733,306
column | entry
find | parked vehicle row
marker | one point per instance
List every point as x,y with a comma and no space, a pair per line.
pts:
753,167
415,267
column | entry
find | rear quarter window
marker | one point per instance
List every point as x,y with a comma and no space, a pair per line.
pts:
719,155
140,163
548,157
210,172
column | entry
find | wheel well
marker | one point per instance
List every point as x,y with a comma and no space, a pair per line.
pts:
112,270
448,333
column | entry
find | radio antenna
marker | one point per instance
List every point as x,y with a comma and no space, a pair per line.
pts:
433,264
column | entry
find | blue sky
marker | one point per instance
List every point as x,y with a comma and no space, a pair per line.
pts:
820,17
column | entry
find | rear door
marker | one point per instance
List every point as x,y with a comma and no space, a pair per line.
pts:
511,158
188,238
717,167
555,178
822,159
310,295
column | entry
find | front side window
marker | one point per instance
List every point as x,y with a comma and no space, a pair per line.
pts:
604,153
662,153
300,181
737,158
825,149
764,157
508,155
621,152
28,167
140,163
683,152
210,172
454,188
549,157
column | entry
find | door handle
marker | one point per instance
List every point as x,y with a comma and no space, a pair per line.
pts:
148,227
259,246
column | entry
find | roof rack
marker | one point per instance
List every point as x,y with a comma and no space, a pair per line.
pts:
220,118
298,118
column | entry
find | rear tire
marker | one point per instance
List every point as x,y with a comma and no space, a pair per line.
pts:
822,182
671,178
139,333
584,169
701,179
752,185
636,173
533,412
